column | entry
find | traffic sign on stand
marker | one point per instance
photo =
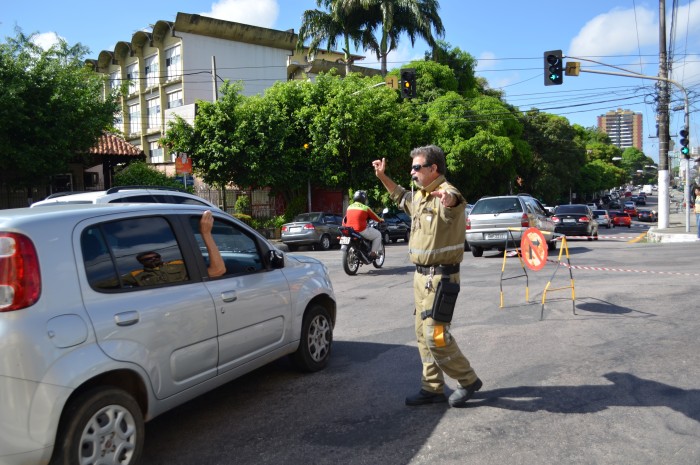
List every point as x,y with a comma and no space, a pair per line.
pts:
533,249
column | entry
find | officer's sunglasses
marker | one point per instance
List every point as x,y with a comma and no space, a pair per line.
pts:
418,167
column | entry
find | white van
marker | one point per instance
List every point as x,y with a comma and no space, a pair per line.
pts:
647,189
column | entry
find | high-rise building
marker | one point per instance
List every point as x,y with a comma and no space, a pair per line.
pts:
624,127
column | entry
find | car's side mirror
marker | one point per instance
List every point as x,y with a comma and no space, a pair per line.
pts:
276,258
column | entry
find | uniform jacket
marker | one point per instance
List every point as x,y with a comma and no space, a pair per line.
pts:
437,232
357,215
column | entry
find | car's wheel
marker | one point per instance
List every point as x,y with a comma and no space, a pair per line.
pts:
477,251
629,225
292,248
407,236
395,240
100,426
552,245
350,263
379,261
385,238
316,339
324,243
466,246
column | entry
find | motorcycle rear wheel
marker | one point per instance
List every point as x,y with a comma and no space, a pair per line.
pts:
350,262
379,262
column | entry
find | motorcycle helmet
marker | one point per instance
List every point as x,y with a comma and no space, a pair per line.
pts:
360,196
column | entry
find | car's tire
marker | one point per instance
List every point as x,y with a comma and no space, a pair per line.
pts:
104,423
476,251
324,243
379,262
395,240
630,226
292,248
316,339
350,262
385,238
407,236
552,246
466,246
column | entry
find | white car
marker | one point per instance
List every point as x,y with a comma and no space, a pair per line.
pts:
109,317
126,194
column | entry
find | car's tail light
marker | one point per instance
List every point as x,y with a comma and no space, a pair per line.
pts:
525,221
556,219
20,281
584,219
469,224
308,226
285,228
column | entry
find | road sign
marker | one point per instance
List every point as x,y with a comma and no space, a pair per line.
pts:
533,249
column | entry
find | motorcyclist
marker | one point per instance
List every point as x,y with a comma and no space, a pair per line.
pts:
356,217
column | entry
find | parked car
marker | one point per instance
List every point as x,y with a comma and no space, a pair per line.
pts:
647,215
621,219
126,194
575,220
603,218
394,228
90,351
497,222
321,230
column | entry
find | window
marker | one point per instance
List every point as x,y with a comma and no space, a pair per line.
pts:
114,81
132,75
132,253
175,99
156,152
154,113
239,250
173,65
151,70
119,121
135,118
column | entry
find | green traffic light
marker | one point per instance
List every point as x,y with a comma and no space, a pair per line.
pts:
685,151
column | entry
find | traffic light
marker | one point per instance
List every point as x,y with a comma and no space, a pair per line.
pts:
408,83
684,142
553,68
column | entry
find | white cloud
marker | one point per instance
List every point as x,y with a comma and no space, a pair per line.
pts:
486,61
616,32
46,40
261,13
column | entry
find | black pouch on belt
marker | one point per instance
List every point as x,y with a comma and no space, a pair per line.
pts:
445,300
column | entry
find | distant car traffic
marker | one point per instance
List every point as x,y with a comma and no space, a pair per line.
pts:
575,220
603,218
394,227
621,219
630,208
647,215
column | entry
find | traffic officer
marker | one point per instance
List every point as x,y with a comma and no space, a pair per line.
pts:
436,247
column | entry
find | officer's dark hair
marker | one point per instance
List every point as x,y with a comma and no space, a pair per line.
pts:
433,156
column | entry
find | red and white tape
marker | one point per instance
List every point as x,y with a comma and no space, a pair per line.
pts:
623,270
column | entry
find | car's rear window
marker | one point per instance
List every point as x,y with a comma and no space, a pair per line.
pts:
564,209
497,205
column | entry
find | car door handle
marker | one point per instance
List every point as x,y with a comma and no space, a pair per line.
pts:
229,296
126,318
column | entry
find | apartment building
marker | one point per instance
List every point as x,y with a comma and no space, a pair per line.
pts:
174,64
624,127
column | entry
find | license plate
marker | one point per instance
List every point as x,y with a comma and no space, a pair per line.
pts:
494,236
344,240
569,220
294,229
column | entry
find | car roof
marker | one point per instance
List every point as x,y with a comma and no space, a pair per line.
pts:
115,193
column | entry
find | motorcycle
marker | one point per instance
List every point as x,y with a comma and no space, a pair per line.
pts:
355,250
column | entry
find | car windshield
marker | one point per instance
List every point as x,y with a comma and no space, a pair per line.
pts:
498,205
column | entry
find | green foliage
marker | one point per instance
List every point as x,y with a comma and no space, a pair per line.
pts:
243,204
247,219
296,206
140,173
51,109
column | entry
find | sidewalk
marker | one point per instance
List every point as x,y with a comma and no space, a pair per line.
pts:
676,229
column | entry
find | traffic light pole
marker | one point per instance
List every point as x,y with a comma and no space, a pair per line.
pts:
663,147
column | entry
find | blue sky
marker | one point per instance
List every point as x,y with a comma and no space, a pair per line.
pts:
508,37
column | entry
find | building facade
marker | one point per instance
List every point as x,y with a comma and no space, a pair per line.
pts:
624,127
167,69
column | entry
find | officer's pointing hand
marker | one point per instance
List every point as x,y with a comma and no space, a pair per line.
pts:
446,198
379,166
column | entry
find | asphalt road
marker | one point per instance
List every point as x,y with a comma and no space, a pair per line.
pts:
616,383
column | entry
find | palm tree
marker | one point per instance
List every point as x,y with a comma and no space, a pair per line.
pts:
417,18
348,25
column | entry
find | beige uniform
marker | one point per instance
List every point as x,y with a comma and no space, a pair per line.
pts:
437,238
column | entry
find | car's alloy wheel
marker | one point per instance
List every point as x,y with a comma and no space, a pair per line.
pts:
100,426
316,339
325,242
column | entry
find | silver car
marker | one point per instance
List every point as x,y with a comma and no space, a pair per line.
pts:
320,230
91,347
498,222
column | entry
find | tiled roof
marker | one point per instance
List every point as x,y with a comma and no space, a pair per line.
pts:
110,144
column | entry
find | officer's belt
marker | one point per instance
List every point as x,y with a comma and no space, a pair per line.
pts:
438,269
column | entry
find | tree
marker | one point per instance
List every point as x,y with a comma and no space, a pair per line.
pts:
416,18
328,27
52,109
462,64
141,174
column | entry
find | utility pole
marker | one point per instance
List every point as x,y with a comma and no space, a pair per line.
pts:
662,120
